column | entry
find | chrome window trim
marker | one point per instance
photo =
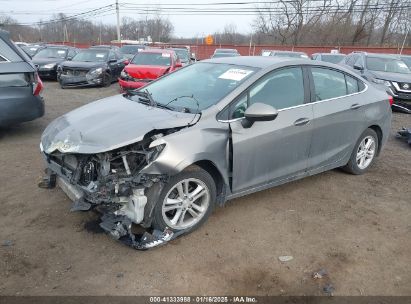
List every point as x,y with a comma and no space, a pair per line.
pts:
5,59
306,104
397,87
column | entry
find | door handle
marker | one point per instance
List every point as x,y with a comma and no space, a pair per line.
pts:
355,106
301,121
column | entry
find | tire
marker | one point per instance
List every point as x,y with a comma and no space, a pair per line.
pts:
106,80
163,218
357,165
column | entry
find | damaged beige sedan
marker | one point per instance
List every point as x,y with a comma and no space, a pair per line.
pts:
165,155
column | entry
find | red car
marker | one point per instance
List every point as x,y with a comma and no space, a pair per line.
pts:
147,66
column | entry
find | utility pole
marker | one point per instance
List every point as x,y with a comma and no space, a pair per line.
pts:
118,22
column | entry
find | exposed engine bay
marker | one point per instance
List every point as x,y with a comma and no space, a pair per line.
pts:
112,184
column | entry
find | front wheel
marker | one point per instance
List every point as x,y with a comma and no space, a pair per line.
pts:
364,153
186,202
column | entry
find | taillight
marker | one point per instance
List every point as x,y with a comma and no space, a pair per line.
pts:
390,100
37,85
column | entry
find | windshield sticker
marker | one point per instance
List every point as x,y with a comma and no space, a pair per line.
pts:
165,55
33,49
61,52
139,50
100,55
401,64
235,74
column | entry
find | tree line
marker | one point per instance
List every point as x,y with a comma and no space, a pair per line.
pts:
283,22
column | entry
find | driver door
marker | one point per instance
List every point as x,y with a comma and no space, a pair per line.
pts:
277,150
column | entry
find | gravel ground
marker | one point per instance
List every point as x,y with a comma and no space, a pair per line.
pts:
356,227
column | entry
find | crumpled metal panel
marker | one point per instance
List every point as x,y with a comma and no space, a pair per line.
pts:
108,124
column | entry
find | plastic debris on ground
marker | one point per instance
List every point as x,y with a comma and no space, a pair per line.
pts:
405,133
320,274
285,258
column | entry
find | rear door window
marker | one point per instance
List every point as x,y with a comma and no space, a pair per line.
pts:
352,84
331,84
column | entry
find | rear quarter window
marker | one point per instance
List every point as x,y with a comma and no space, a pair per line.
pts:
14,80
8,53
328,83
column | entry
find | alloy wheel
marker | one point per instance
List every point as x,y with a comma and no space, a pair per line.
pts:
365,152
186,204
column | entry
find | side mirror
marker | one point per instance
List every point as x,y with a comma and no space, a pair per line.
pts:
358,67
126,62
69,58
178,64
258,112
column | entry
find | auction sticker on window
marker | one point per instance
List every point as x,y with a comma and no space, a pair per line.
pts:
235,74
165,54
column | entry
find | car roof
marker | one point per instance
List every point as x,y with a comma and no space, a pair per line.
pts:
226,50
255,61
379,55
264,62
153,50
334,54
289,52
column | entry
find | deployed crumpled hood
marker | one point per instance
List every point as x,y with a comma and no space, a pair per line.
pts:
397,77
108,124
146,71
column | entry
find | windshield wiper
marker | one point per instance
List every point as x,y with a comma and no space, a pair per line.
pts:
146,96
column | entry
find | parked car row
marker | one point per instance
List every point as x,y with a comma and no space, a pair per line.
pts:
102,65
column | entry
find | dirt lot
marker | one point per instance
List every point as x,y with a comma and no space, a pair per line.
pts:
356,227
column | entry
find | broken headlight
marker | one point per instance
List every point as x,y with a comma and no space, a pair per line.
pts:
154,152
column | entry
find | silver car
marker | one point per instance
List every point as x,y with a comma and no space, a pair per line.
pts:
165,155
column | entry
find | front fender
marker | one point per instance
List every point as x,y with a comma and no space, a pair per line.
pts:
189,146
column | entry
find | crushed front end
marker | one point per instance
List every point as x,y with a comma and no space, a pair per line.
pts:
111,183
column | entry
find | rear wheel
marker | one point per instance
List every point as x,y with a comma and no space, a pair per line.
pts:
364,153
186,202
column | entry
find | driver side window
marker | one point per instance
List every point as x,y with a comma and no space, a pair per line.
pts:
280,89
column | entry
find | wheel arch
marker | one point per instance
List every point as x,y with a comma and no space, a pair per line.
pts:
217,176
377,129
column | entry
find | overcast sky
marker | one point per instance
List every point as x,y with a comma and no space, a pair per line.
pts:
26,11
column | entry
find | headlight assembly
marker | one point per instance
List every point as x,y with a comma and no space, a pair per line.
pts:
154,152
382,81
96,71
124,74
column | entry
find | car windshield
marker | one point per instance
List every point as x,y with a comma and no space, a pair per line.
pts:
182,54
202,83
407,61
130,49
218,55
390,65
51,53
161,59
91,56
332,58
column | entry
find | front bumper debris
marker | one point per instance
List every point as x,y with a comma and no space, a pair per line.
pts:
113,222
405,133
119,227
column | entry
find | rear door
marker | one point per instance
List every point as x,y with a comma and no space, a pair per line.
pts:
272,151
338,116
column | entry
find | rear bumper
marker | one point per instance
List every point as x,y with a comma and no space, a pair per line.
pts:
20,109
